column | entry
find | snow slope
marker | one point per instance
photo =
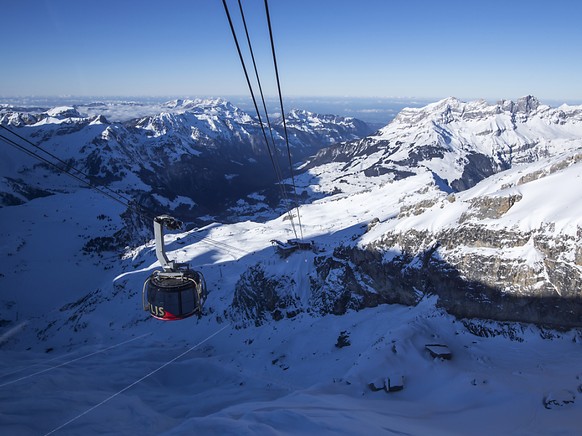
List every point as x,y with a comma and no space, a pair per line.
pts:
290,378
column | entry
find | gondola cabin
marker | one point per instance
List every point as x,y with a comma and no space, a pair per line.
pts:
176,292
176,297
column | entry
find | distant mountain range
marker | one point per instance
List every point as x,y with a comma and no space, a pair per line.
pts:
208,153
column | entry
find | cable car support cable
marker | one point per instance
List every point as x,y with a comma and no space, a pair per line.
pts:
112,195
159,368
277,169
277,173
68,362
126,201
283,113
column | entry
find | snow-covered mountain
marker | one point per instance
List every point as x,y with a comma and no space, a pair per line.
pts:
205,153
479,262
329,129
462,143
406,260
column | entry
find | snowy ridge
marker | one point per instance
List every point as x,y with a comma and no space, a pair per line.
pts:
328,128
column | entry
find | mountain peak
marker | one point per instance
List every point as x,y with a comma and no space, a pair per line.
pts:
527,104
187,103
524,105
440,112
447,102
61,112
302,114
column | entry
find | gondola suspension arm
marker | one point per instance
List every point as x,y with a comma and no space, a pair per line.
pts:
172,224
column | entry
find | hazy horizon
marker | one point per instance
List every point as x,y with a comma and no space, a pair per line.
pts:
368,109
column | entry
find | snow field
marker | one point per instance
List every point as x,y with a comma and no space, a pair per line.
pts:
289,378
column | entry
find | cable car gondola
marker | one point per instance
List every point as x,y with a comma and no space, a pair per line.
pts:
176,292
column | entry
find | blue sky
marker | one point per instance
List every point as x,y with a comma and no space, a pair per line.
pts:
334,48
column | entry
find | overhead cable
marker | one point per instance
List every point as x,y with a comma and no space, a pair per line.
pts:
277,173
135,382
283,114
113,195
125,201
108,193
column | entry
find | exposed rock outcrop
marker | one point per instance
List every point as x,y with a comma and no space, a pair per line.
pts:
258,297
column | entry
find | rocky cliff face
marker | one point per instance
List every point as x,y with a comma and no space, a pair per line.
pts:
260,298
495,274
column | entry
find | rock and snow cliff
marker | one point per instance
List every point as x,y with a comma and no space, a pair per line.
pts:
509,248
462,143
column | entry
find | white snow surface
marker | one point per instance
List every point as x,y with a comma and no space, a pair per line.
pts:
66,309
289,378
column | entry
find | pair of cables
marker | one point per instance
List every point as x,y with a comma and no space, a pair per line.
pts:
272,154
41,154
